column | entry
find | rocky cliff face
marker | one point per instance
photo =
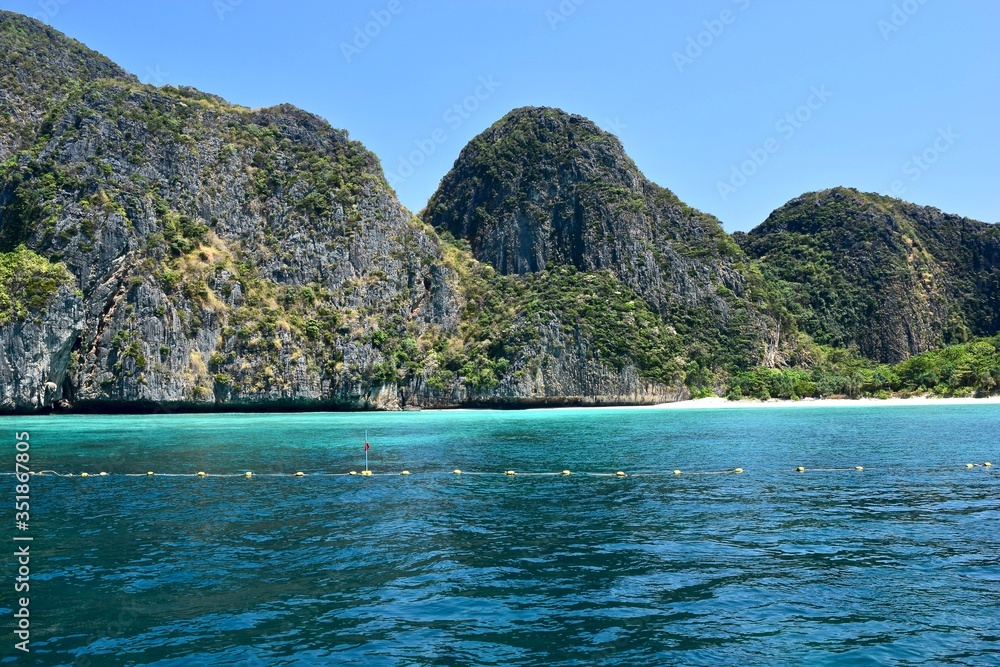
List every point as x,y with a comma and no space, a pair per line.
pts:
38,68
224,257
891,278
37,353
542,188
221,254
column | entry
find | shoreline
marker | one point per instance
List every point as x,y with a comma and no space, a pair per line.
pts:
710,403
719,403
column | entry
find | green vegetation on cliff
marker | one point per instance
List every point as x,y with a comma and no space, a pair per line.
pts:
968,369
888,278
27,282
609,322
40,66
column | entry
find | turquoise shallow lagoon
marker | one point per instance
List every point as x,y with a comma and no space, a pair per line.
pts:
895,565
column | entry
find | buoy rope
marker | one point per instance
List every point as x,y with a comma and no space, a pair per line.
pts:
508,473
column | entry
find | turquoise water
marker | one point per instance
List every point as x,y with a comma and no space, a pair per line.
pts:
895,565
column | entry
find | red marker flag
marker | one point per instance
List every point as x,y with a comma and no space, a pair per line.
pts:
367,446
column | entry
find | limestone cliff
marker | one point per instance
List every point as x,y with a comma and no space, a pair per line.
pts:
890,278
219,257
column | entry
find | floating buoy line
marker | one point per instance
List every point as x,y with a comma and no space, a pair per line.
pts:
507,473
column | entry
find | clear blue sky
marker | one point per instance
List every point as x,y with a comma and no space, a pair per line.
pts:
897,79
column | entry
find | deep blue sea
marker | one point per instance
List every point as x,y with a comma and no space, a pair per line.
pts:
898,564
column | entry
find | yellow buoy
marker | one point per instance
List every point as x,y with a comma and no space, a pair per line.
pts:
800,469
987,464
738,470
458,472
565,472
366,473
300,474
248,474
352,473
859,467
677,472
104,474
201,473
969,465
510,473
405,472
83,474
620,474
149,474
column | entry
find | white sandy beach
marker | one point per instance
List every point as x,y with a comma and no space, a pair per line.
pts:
717,403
